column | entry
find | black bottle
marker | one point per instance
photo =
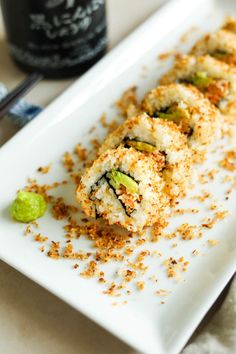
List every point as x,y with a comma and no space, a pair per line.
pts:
58,38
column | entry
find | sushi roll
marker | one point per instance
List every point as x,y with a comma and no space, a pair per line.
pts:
215,79
197,118
159,140
220,45
122,186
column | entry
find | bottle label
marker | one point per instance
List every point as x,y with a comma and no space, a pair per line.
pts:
57,61
64,24
64,33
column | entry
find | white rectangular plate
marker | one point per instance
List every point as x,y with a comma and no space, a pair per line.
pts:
143,322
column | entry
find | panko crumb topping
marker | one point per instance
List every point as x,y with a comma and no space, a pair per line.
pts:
44,169
229,161
129,97
178,211
60,209
68,162
91,270
54,251
81,153
40,238
218,216
43,189
175,266
140,285
110,126
189,232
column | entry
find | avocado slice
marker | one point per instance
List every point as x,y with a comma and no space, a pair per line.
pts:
117,178
201,79
175,114
140,145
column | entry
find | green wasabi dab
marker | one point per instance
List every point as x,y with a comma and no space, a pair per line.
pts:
28,206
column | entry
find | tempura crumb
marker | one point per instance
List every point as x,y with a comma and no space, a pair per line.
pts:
40,238
91,270
54,251
68,162
141,285
229,161
81,152
45,169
